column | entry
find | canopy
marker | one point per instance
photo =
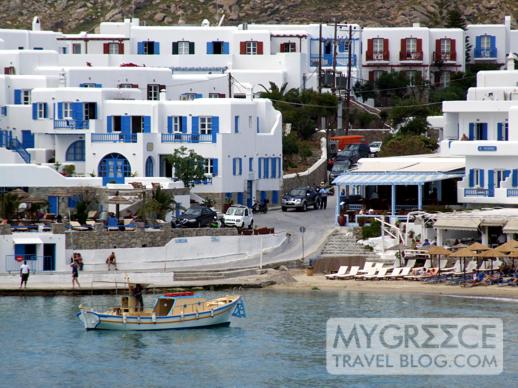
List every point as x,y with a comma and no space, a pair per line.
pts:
383,178
27,240
491,253
478,247
455,223
464,252
511,226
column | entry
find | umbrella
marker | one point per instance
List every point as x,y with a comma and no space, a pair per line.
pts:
513,255
19,193
118,200
462,254
478,247
438,251
508,246
31,199
61,192
492,254
459,246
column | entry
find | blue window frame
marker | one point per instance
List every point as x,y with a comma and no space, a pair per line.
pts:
149,166
236,124
250,164
114,167
237,166
76,152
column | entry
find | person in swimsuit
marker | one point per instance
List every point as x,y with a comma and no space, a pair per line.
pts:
75,274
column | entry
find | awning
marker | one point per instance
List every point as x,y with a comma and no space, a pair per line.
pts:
27,240
493,221
511,226
457,223
381,178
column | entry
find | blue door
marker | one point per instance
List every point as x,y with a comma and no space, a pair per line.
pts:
249,188
49,257
113,168
27,139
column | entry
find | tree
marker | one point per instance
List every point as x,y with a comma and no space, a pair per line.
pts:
400,144
455,18
188,166
9,206
160,203
87,201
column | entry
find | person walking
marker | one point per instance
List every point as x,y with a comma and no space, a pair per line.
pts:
137,294
24,274
111,261
75,274
323,197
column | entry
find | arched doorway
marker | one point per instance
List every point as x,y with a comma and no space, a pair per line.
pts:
113,168
149,166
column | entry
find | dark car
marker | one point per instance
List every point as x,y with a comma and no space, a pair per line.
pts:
362,149
339,167
196,217
301,198
351,155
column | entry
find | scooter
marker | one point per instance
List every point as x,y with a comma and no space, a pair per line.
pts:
261,207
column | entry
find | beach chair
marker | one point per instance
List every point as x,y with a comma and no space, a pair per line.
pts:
410,263
129,224
366,267
405,271
90,223
368,275
380,275
112,224
470,267
77,226
91,215
395,272
341,271
352,273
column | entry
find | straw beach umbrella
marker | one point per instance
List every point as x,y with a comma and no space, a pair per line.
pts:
19,193
438,251
118,200
478,247
508,246
462,254
513,255
491,254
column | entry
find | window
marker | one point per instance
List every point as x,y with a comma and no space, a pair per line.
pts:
208,166
288,47
177,124
188,96
216,95
411,76
183,48
76,152
237,166
88,85
90,111
378,45
127,86
376,74
328,48
42,110
148,47
67,110
445,47
76,48
480,131
477,177
236,124
411,45
485,42
445,79
113,48
250,164
217,47
64,50
153,92
205,125
26,97
500,176
251,48
9,70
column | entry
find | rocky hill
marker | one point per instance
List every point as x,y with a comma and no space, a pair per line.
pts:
85,15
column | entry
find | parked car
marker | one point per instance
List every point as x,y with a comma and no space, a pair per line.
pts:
351,155
197,217
363,149
375,147
301,198
338,169
238,215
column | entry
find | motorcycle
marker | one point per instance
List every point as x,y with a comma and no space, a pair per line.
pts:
260,207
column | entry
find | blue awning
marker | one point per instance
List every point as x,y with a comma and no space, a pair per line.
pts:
379,178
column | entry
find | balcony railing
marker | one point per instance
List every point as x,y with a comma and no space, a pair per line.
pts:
377,56
71,124
512,192
485,53
444,56
35,263
185,138
476,192
327,60
410,56
114,138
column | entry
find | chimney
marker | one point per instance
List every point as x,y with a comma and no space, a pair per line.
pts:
163,96
507,22
416,25
36,25
510,61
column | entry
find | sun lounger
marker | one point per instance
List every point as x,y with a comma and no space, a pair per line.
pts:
430,273
77,226
470,267
366,267
341,271
368,275
380,275
395,272
410,263
405,271
352,273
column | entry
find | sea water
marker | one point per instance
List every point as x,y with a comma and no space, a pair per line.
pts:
280,343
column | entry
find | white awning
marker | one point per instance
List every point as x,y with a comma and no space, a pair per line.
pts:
511,226
27,240
391,178
457,223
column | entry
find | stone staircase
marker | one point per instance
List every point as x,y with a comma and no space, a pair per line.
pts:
184,276
342,243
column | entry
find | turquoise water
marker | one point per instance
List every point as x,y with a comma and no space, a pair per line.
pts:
281,343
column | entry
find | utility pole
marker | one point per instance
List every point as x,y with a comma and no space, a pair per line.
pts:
333,88
348,92
229,85
320,59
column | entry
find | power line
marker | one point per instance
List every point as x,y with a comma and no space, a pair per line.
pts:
334,107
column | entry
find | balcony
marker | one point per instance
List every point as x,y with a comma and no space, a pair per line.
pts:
512,192
476,192
71,124
485,53
416,56
185,138
377,56
114,138
441,57
327,60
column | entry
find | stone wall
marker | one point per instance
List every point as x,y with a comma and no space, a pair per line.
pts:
102,239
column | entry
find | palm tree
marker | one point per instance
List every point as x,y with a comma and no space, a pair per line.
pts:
9,206
160,203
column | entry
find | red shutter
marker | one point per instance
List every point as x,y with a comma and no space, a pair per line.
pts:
371,75
403,49
370,49
106,48
121,48
259,48
419,47
453,50
437,50
386,54
242,47
282,48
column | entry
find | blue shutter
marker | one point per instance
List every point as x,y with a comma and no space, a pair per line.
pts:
262,195
275,197
109,124
169,124
279,165
77,111
60,110
491,182
471,177
506,131
260,167
98,85
215,128
507,173
140,48
126,125
53,204
156,48
481,178
34,111
17,96
226,49
250,164
236,124
515,178
198,95
274,170
471,131
266,168
214,167
240,198
147,124
499,132
478,45
492,42
27,139
341,46
184,124
195,130
210,48
45,110
257,123
234,166
484,131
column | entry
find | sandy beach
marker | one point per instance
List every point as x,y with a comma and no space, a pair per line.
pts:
319,282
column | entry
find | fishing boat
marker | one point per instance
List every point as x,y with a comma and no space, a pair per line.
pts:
180,310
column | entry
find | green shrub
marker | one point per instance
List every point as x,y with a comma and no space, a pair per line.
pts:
371,230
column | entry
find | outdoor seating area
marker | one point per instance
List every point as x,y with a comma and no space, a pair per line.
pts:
463,265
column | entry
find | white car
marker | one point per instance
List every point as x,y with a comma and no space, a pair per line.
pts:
375,147
240,216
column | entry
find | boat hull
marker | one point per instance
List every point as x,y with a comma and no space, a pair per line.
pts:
93,320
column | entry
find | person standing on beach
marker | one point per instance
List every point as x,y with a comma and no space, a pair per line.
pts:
75,274
24,274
